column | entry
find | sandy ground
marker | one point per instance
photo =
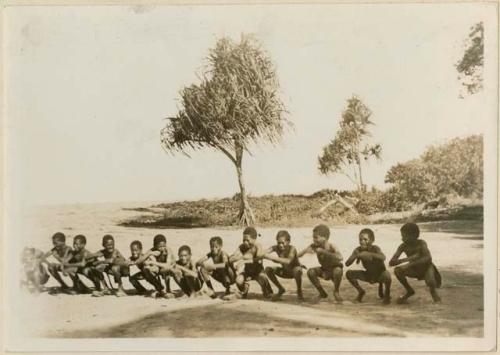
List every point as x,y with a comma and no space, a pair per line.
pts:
456,248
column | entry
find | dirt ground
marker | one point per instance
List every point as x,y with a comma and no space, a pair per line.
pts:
456,247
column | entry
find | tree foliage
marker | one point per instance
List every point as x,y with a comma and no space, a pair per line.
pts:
454,168
470,66
236,103
346,152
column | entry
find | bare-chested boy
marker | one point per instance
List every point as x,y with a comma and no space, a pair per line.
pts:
289,268
372,260
159,263
330,260
185,274
418,263
216,264
136,256
78,264
61,252
112,262
247,261
34,273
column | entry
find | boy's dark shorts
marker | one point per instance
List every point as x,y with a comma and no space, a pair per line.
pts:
419,272
252,272
327,273
373,276
286,272
222,275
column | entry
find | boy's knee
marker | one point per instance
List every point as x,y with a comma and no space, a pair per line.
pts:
297,271
312,274
115,269
350,275
399,271
337,272
240,280
386,276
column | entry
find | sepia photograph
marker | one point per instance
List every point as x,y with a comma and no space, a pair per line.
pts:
250,177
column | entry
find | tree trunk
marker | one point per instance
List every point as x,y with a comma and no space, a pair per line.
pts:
361,185
245,216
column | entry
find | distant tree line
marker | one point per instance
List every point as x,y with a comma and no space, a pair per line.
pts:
453,169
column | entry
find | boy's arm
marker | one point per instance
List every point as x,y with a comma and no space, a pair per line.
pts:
424,257
283,261
186,270
331,252
143,257
170,257
307,250
201,261
395,260
352,258
120,260
225,261
237,255
377,254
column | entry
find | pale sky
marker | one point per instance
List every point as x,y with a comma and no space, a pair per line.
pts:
88,88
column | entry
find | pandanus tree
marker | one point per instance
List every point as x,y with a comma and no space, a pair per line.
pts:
347,151
235,104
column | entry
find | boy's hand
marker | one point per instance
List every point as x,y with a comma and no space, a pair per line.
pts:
156,253
365,256
209,266
319,250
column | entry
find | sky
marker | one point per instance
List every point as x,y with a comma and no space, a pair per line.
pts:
88,89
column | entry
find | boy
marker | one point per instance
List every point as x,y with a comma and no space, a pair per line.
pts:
61,252
35,274
185,274
78,264
135,256
418,263
247,260
289,268
219,268
372,259
112,263
159,262
330,261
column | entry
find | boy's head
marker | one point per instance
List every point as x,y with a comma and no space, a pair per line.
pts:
249,236
366,238
135,248
108,242
79,242
215,245
160,243
282,239
321,233
410,232
58,240
185,254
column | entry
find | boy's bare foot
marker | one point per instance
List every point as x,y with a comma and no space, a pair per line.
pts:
120,292
168,295
435,296
72,292
300,297
387,300
97,293
404,299
361,294
230,297
107,292
337,297
183,297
